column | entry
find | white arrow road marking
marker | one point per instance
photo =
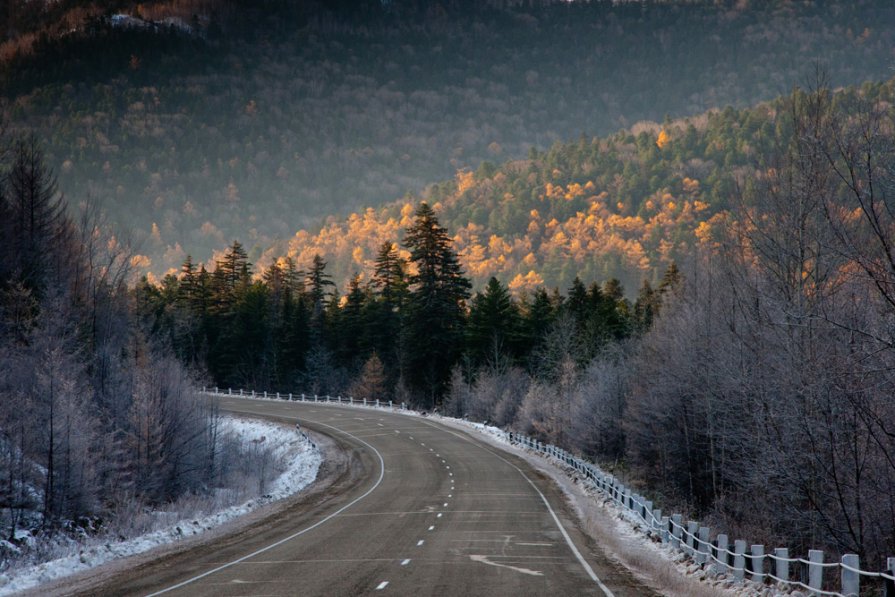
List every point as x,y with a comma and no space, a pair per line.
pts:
485,560
590,571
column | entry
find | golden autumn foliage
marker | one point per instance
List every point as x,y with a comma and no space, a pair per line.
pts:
607,208
528,282
465,181
537,253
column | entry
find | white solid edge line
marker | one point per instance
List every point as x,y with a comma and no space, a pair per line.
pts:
581,560
294,535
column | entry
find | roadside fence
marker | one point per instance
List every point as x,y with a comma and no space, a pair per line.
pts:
744,561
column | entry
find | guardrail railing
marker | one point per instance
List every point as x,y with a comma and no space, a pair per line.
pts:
690,537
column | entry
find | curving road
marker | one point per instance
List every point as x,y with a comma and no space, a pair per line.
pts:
407,507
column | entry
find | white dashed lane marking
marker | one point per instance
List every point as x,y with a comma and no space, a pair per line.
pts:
405,562
382,585
420,542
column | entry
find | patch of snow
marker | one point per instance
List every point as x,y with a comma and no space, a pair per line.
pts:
125,20
291,446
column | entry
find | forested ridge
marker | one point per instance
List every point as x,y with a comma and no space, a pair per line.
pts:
269,117
623,206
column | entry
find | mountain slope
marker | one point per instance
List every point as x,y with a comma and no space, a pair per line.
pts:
258,130
622,206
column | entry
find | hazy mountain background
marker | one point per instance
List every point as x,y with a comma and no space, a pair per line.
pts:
210,121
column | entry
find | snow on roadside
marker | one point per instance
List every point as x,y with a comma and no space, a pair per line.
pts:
292,447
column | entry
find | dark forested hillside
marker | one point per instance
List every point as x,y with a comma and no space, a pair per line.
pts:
260,121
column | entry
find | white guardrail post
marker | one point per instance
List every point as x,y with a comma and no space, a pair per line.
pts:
739,559
721,565
704,548
692,529
815,568
677,520
851,580
758,563
781,563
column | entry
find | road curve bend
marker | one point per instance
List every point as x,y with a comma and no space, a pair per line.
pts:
415,508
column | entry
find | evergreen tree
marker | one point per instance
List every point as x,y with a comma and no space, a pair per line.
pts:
386,312
352,324
538,313
645,307
318,280
390,276
492,332
434,328
190,306
295,340
230,283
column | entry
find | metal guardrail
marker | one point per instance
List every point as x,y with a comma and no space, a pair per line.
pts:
691,538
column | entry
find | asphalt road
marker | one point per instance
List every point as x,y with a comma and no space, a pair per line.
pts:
406,506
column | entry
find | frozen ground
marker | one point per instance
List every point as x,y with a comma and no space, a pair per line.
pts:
302,460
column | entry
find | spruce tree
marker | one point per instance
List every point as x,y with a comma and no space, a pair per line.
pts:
318,282
385,312
492,333
539,311
230,282
439,290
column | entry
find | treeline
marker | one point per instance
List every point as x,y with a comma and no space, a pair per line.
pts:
291,121
395,334
98,421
